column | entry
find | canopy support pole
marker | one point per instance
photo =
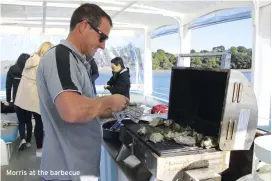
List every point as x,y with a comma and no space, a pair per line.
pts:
123,9
148,82
262,61
185,44
44,17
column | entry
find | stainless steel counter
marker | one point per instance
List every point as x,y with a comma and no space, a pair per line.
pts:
131,167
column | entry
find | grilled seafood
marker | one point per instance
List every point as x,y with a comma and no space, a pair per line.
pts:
156,137
188,140
208,142
168,122
176,127
160,122
170,135
159,130
143,130
156,122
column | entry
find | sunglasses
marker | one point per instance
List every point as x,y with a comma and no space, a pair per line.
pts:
103,36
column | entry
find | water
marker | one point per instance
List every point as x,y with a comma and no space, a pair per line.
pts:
161,82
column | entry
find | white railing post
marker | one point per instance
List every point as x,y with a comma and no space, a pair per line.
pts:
148,82
261,60
185,43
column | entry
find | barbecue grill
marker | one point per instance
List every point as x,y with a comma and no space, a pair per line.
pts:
218,103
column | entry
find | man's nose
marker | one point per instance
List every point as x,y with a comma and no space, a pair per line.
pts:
102,45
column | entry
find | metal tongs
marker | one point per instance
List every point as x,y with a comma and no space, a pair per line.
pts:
133,112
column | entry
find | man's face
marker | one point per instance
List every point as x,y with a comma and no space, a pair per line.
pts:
92,40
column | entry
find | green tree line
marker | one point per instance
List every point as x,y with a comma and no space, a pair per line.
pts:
240,59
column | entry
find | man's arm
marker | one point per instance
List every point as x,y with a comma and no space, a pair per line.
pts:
74,108
107,114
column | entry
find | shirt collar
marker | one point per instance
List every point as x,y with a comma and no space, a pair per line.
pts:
68,44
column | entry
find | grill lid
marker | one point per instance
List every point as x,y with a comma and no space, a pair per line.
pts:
218,103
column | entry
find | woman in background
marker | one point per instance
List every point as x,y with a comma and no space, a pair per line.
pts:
14,76
93,71
119,83
27,101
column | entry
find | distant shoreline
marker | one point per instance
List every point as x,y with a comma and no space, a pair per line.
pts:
164,71
108,70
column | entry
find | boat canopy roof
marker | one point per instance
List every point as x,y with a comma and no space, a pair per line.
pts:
52,17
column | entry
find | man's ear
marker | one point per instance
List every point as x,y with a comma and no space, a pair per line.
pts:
82,27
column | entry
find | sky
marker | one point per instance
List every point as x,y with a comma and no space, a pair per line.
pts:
236,33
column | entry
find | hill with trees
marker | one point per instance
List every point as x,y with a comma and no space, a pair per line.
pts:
241,58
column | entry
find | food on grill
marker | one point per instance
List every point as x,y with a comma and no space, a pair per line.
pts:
188,131
156,137
159,130
198,136
208,142
170,135
168,122
145,131
160,121
176,127
142,130
188,140
156,122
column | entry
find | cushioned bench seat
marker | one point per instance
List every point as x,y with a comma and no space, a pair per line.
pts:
9,134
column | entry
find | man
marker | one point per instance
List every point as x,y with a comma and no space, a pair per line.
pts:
69,110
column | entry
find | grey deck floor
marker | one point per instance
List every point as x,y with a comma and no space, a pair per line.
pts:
24,161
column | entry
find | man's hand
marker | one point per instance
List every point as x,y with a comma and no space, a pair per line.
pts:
75,108
118,102
107,114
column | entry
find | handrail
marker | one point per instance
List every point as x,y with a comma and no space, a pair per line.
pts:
160,93
210,54
225,57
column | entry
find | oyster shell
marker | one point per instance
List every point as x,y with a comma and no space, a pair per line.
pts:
156,122
168,122
160,129
188,140
208,142
143,130
156,137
